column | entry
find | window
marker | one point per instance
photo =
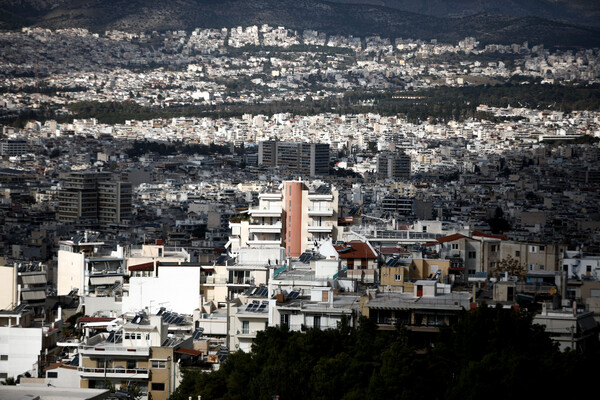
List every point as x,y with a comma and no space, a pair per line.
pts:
454,246
159,364
425,229
542,248
398,277
138,336
52,374
3,375
565,267
127,335
158,386
472,254
317,322
245,327
284,319
517,253
533,249
147,336
131,364
494,248
3,357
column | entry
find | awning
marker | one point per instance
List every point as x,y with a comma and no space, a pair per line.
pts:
190,352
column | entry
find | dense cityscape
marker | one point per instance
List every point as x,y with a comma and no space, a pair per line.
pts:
179,208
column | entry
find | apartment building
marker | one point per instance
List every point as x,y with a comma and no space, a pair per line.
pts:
86,267
294,217
310,159
94,198
13,147
139,352
393,165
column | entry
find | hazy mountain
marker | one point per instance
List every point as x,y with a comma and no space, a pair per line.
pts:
583,12
342,18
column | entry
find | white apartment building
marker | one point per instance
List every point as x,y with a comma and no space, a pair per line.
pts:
295,217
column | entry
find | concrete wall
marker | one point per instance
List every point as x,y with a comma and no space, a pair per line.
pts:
66,378
70,272
176,288
107,306
8,287
22,346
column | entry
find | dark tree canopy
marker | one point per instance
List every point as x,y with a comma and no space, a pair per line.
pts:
490,353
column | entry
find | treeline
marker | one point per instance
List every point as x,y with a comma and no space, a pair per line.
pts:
143,147
440,104
489,354
42,89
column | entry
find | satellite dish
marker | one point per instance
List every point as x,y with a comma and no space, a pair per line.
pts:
110,328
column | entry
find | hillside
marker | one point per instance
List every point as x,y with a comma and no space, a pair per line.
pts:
333,18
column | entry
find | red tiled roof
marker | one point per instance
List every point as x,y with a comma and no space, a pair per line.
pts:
488,235
149,266
445,239
359,250
191,352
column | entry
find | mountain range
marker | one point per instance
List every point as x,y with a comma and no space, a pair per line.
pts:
511,21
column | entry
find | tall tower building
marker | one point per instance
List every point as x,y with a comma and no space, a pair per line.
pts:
94,198
293,217
393,165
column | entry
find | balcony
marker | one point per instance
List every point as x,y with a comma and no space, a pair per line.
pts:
320,212
135,373
99,350
265,228
320,196
264,242
265,212
270,196
241,282
320,228
247,334
212,280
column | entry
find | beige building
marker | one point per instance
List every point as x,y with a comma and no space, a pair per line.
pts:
530,256
399,275
138,353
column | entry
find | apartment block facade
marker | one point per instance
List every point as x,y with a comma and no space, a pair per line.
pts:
310,159
94,198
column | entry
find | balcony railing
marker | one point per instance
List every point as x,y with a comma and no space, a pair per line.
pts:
320,228
320,212
265,212
135,373
265,228
100,350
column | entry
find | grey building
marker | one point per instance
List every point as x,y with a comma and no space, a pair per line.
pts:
94,198
310,159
